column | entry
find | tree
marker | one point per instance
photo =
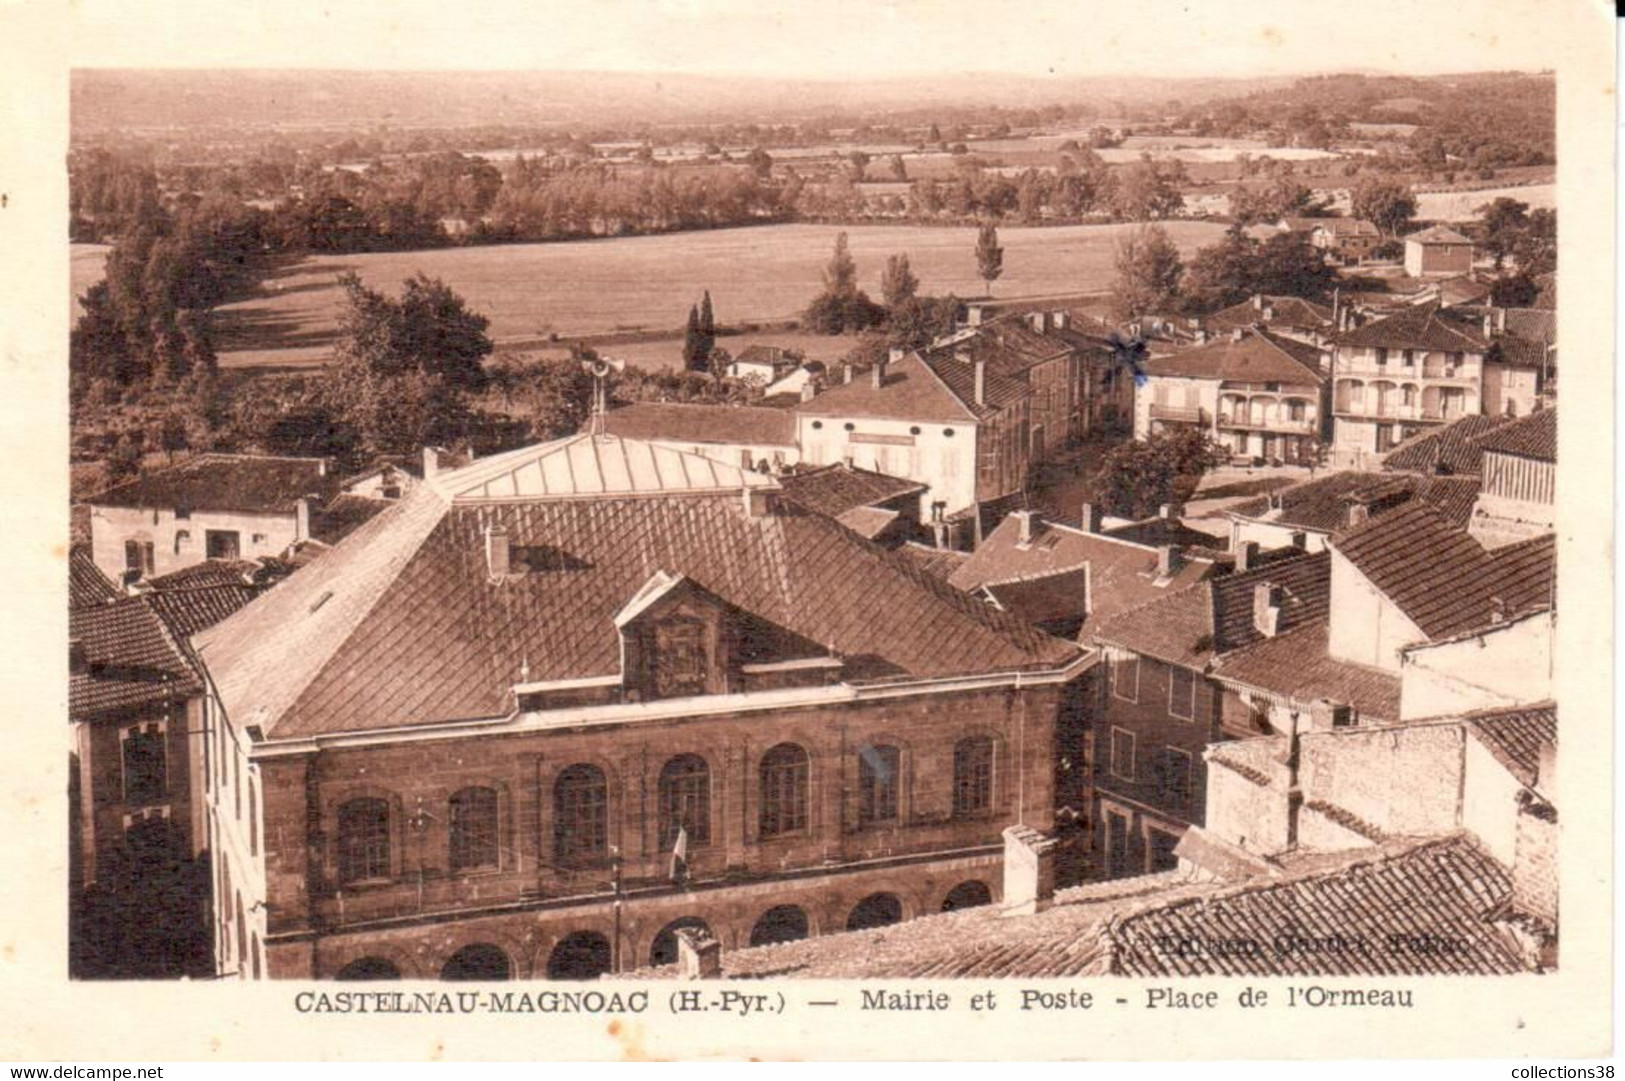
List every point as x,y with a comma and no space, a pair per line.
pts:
899,171
1138,477
708,324
1535,250
693,342
1388,204
917,321
1148,272
1236,268
989,256
428,330
1516,291
841,273
1505,220
860,164
898,284
842,305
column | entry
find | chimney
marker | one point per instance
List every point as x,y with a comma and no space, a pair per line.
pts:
1169,512
1237,334
973,315
1500,319
301,519
758,502
1027,526
1246,556
1358,513
879,372
1258,302
809,390
1201,336
1489,324
847,377
1092,516
1059,319
1498,609
1275,500
497,551
321,467
1169,560
699,954
1267,608
431,462
896,353
981,382
1029,871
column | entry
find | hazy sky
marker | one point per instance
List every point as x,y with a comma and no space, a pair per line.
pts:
836,39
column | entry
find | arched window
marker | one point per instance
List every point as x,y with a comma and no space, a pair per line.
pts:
878,769
685,800
663,951
363,842
369,968
583,955
875,910
967,895
784,790
783,923
581,814
473,827
480,961
973,776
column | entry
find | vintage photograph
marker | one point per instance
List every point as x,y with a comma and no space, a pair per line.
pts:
540,525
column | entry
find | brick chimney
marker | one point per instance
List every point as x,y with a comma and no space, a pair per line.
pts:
431,462
1267,608
498,551
699,954
879,373
1246,556
301,519
1029,871
1092,518
1027,526
1169,560
981,382
1358,513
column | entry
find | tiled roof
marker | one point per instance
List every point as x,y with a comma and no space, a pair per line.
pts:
210,572
1296,666
188,611
1122,574
225,482
836,489
745,425
1057,597
1455,291
1258,357
1440,891
955,365
1341,227
1443,579
1534,436
1514,736
342,515
1438,234
911,392
1453,448
1213,617
1282,311
868,522
1421,326
87,585
936,562
132,660
402,624
1321,505
764,354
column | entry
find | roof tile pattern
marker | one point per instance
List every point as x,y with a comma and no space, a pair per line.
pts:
835,489
225,482
1322,504
132,660
1452,449
1442,891
1534,436
1258,357
87,585
1441,578
691,423
1296,666
1515,736
1421,326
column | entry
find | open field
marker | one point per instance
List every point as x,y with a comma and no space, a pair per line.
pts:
1462,205
530,291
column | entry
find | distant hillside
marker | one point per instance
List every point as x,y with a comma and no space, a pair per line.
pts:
104,100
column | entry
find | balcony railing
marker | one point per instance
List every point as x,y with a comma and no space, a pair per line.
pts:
1306,426
1182,414
1394,370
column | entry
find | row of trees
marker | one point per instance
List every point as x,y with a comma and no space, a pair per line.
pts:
912,320
1153,278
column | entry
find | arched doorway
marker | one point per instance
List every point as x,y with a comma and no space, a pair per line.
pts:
481,961
783,923
967,895
369,968
875,910
664,949
581,955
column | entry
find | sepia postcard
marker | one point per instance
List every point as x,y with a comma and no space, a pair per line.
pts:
721,530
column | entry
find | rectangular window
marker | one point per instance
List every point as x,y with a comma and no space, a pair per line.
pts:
973,776
183,513
1123,754
1125,677
137,558
146,772
1408,358
222,544
1181,693
1159,854
1382,356
258,540
1173,777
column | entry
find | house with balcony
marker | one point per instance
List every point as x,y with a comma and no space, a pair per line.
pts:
1397,376
1257,393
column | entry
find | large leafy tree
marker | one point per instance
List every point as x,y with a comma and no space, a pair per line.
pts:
1139,476
898,284
1238,267
428,330
842,305
1386,203
1148,272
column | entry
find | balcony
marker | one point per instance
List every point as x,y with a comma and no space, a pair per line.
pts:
1180,414
1243,422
